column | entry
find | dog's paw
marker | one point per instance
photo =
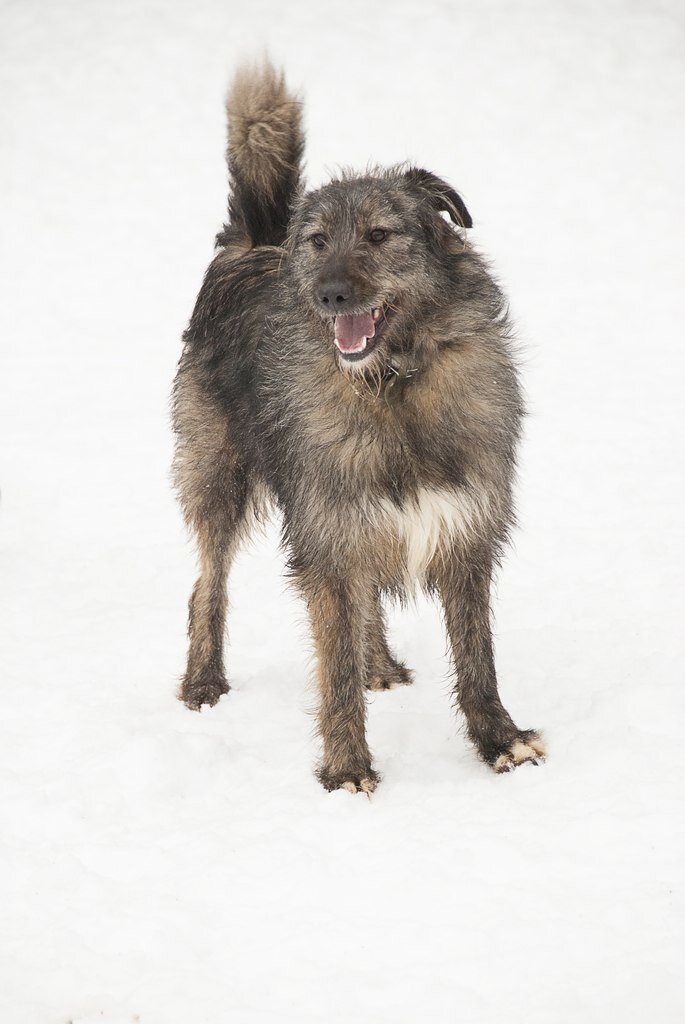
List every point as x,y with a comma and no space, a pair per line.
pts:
354,782
202,689
526,748
391,678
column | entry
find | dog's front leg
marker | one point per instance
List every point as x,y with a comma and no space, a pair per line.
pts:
339,612
463,581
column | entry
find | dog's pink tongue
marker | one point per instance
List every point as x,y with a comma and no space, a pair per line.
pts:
351,332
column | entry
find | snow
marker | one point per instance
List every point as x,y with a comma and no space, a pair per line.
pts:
166,867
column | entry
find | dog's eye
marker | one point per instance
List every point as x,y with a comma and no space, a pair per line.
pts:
377,236
318,240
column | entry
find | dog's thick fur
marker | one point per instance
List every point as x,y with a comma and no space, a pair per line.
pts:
392,468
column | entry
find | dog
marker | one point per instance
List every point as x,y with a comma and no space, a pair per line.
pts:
349,361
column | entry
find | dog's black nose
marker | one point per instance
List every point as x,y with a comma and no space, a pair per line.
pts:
334,294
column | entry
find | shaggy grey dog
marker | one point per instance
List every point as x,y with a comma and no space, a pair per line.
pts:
348,361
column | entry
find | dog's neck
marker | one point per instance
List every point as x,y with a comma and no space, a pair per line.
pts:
390,385
396,377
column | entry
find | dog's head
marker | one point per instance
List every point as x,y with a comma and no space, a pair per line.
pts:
372,255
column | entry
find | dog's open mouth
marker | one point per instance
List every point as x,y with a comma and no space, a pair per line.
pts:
357,334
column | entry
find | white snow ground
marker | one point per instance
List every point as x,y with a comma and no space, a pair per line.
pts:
166,867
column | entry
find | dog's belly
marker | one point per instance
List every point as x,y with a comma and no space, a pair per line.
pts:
427,524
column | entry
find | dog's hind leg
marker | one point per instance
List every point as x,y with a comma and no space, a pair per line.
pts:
463,581
384,671
221,525
204,680
217,495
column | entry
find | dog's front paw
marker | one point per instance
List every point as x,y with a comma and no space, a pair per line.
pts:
527,747
364,781
390,678
205,688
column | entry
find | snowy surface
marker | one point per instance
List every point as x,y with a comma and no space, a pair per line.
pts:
165,867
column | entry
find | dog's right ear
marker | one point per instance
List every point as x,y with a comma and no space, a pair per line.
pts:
441,196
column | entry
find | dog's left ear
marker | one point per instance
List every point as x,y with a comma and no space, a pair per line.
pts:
440,195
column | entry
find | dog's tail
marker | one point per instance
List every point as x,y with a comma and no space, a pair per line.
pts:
265,144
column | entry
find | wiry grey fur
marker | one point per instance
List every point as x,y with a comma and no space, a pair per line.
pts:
391,469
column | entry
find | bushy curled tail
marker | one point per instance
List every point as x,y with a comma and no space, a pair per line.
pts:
265,144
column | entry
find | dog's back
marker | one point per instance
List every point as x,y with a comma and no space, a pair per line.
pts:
213,391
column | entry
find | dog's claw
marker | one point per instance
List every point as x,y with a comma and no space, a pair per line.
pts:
351,783
525,749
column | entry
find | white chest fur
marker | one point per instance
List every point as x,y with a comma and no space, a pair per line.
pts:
427,523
